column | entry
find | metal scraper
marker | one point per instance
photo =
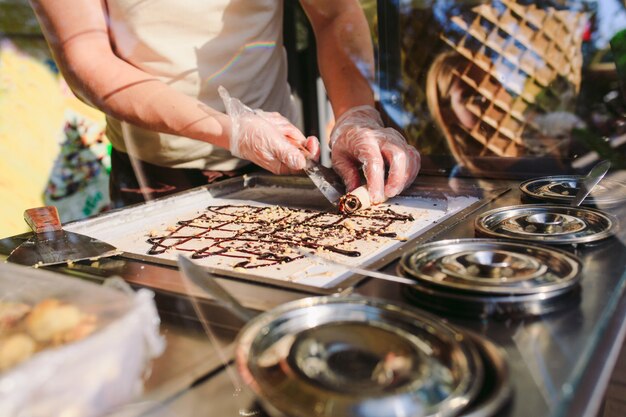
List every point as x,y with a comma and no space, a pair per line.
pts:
326,180
589,181
52,245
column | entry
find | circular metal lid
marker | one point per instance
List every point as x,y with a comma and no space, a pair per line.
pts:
491,267
355,356
562,190
551,224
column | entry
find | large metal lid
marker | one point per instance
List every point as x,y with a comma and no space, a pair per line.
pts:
562,190
551,224
491,267
355,356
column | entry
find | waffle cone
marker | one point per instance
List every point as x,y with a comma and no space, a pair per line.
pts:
509,63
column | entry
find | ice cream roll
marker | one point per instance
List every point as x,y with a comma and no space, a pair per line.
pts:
355,200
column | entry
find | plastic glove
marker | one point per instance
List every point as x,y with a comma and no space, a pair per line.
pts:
360,139
267,139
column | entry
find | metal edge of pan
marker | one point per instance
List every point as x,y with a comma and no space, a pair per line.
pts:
483,229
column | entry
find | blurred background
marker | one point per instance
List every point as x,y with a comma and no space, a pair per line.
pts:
52,147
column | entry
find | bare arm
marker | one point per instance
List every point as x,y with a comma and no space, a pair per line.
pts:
77,33
359,140
345,52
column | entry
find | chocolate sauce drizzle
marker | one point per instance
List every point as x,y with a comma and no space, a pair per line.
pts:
265,236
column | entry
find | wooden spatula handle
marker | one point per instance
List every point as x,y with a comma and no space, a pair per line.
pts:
43,219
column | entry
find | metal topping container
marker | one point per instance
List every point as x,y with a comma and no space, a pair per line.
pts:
492,266
488,277
355,356
550,224
562,190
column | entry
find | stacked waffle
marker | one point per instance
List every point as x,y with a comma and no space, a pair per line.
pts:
512,66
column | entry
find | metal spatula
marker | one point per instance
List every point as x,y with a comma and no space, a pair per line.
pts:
589,181
52,245
207,282
326,180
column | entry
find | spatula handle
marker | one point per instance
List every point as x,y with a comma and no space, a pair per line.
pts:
43,219
301,148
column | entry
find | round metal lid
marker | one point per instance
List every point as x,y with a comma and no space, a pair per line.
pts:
356,356
492,267
562,190
550,224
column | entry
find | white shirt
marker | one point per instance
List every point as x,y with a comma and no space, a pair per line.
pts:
194,46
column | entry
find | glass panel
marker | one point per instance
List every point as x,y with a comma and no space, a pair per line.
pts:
517,89
45,130
504,88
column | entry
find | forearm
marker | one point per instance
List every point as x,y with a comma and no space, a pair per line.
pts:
77,34
359,140
345,52
133,96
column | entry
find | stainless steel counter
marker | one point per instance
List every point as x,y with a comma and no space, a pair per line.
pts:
560,362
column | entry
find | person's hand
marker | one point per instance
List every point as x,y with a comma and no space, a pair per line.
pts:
267,139
360,139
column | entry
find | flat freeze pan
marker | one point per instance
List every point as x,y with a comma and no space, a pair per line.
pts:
133,229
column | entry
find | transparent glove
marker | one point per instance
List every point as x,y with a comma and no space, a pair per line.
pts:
360,140
267,139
